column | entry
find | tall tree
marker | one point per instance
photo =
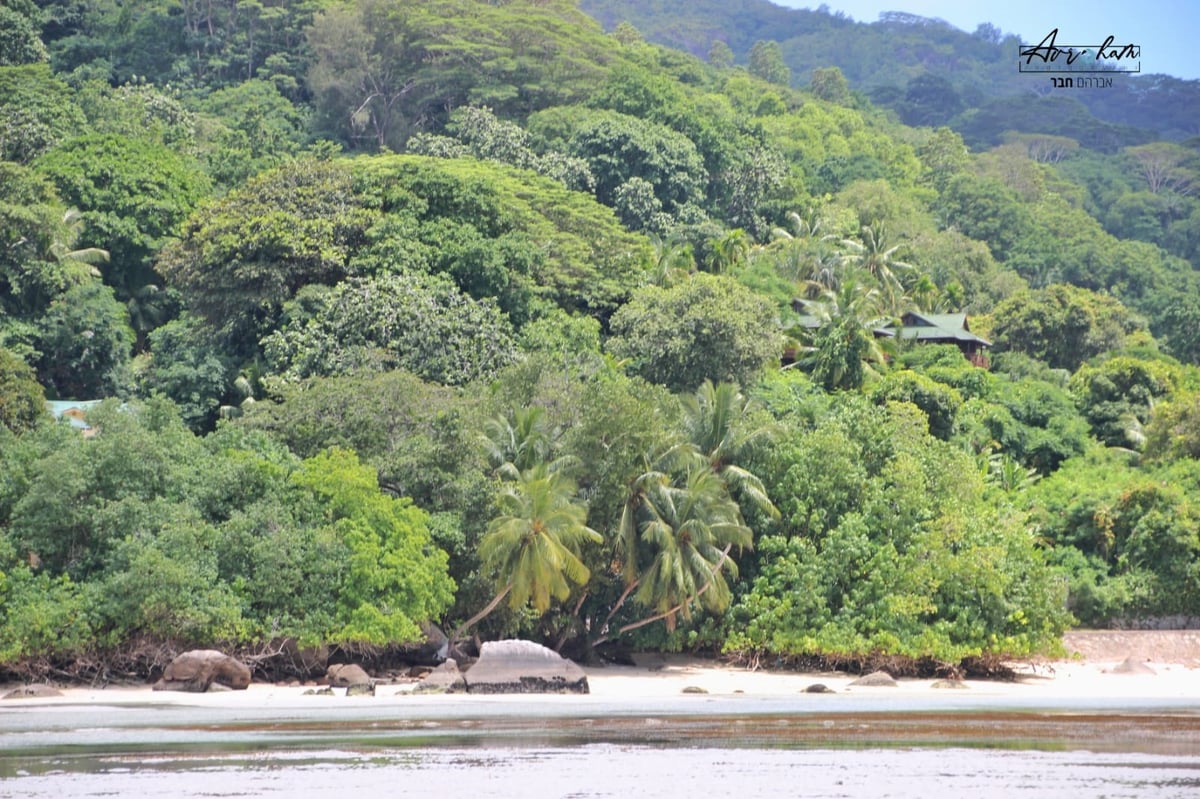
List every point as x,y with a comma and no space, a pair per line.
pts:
533,545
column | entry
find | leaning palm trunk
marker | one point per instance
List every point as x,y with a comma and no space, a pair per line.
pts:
605,637
471,622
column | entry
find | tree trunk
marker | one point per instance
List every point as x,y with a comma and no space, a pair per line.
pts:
488,608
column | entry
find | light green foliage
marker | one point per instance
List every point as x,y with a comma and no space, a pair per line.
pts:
534,542
419,323
561,334
1174,429
1127,538
393,578
907,559
416,435
708,328
766,62
40,616
499,233
139,111
940,403
224,539
844,351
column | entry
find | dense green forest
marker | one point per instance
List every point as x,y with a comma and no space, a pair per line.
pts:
473,313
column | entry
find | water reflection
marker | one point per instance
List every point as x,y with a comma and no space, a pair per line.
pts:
582,749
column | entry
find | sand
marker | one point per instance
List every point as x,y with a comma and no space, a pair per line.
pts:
1165,665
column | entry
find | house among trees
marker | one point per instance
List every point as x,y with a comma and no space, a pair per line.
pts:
924,328
949,328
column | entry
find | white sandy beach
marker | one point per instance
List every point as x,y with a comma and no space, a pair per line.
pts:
661,677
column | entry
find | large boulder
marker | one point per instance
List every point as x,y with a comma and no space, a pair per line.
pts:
197,670
523,667
445,679
346,675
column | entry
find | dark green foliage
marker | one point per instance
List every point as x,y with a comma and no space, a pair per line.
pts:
36,112
192,541
416,435
134,194
22,400
707,328
1117,394
388,68
243,256
1061,325
19,42
86,343
619,148
187,366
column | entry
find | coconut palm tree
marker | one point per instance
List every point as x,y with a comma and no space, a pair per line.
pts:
677,533
845,349
873,256
518,442
533,544
717,424
671,262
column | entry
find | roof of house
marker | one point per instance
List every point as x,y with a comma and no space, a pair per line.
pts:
73,410
938,327
920,326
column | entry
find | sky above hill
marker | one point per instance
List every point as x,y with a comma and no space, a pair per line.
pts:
1166,30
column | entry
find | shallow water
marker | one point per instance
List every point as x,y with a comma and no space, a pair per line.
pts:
582,747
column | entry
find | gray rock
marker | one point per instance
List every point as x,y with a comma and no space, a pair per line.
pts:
819,688
344,675
445,679
1132,665
523,667
35,691
196,671
951,684
694,689
318,692
876,679
360,689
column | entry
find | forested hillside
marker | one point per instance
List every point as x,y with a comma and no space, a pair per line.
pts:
473,313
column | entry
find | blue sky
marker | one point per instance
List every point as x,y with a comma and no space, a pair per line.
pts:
1167,30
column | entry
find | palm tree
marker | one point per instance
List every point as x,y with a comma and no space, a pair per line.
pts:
876,258
716,424
729,252
517,443
671,262
676,535
534,542
845,349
